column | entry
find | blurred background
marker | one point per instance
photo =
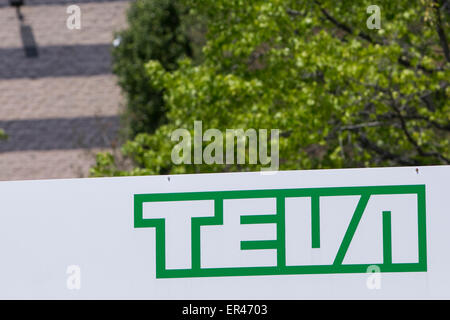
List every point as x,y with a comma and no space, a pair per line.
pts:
104,99
59,101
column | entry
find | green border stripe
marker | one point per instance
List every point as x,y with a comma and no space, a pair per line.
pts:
256,219
259,244
387,238
315,222
351,229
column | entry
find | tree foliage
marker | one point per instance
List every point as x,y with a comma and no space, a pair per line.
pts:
156,30
341,94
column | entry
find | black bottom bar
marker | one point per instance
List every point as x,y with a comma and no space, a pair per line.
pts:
221,309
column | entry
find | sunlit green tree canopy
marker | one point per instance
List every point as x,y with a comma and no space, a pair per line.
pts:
342,94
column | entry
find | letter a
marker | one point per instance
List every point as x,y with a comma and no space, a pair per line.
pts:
74,20
374,21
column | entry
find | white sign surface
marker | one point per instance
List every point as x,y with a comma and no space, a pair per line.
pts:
380,233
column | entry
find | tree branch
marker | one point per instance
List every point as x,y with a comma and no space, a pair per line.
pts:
410,138
363,125
440,31
293,12
343,26
402,60
385,154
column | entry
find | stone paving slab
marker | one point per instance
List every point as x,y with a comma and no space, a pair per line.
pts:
56,61
54,164
99,21
59,133
59,97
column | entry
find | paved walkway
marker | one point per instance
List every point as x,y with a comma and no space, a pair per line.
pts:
60,107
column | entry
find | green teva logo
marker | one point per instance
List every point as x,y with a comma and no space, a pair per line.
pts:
286,231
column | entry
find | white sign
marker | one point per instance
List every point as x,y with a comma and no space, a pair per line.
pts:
379,233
